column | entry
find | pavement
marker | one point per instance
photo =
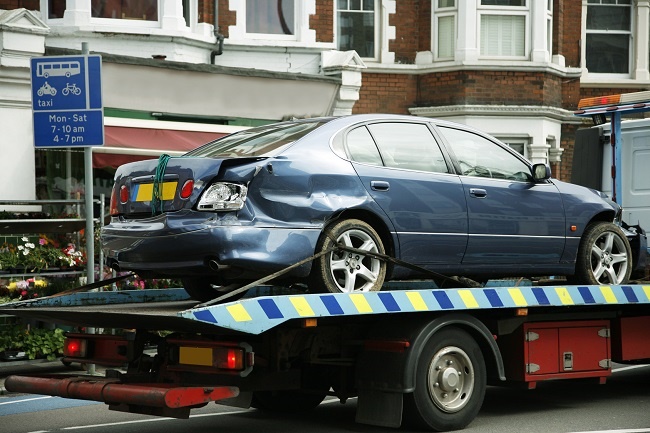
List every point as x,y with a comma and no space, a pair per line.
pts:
38,367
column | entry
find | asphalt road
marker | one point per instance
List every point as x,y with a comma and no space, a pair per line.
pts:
620,406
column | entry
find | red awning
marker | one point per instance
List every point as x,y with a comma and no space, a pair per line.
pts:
126,144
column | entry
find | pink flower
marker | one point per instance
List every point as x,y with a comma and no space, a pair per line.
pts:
42,241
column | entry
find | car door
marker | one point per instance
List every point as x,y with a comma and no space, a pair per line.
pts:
404,170
512,219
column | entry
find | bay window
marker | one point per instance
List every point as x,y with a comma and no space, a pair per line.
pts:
445,16
608,36
271,17
503,26
357,26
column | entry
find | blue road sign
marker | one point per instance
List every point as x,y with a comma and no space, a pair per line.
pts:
67,101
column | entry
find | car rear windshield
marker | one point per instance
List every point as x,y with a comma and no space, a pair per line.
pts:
265,140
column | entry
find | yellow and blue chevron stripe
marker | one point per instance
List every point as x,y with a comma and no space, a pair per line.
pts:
256,315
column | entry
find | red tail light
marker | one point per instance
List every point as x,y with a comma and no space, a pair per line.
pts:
186,191
74,348
112,210
124,194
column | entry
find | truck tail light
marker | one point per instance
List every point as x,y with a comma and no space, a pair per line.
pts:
205,356
75,348
229,358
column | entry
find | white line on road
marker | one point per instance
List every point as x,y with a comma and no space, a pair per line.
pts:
26,399
643,430
151,420
629,367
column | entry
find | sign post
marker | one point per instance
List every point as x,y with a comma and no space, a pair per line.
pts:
67,101
68,112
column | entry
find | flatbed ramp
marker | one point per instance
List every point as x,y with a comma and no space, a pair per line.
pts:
171,309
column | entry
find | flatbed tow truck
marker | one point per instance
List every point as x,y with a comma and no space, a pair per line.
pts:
413,353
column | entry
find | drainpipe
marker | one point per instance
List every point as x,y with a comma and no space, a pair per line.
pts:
218,35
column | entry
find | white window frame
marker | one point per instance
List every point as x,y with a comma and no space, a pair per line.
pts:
549,28
524,11
79,13
443,13
520,140
377,33
124,22
633,54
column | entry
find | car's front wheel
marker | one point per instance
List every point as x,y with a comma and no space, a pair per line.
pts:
343,271
604,256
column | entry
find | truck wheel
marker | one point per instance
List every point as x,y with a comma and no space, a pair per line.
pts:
286,401
604,256
450,383
203,290
345,272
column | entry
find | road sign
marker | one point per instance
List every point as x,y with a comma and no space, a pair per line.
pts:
67,101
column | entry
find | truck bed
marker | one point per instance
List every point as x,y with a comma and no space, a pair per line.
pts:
170,309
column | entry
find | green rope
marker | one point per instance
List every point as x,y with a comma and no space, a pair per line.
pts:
158,180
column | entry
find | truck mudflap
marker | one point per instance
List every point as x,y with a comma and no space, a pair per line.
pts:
150,398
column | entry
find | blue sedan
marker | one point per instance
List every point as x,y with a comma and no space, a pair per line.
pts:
438,195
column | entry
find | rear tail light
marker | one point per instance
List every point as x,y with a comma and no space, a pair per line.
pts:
124,194
223,196
229,358
112,210
75,348
187,189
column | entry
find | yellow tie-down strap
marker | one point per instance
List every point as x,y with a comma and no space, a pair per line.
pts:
256,315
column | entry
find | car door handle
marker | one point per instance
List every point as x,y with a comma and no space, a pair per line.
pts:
478,192
379,185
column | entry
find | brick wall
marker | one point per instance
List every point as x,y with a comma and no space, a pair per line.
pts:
386,93
323,21
226,16
490,87
569,14
424,24
406,21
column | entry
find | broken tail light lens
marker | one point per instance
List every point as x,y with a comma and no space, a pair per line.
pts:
223,196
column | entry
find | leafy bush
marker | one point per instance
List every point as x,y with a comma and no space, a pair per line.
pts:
35,342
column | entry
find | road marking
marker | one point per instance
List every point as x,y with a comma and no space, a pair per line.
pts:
151,420
25,400
642,430
629,367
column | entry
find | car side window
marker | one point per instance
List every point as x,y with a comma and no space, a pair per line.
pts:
362,148
480,157
408,146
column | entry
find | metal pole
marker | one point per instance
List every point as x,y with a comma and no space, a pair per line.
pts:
90,226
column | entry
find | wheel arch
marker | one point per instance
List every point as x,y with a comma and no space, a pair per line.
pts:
376,222
473,326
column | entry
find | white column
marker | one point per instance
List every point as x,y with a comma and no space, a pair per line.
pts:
468,27
538,51
386,32
641,40
77,12
583,38
171,15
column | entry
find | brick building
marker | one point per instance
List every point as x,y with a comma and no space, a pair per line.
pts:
513,68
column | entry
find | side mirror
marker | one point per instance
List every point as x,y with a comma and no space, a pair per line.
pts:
541,172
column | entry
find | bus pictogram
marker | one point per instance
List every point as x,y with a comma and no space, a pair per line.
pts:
58,69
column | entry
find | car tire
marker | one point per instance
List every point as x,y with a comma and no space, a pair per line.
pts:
344,272
202,290
450,383
604,256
